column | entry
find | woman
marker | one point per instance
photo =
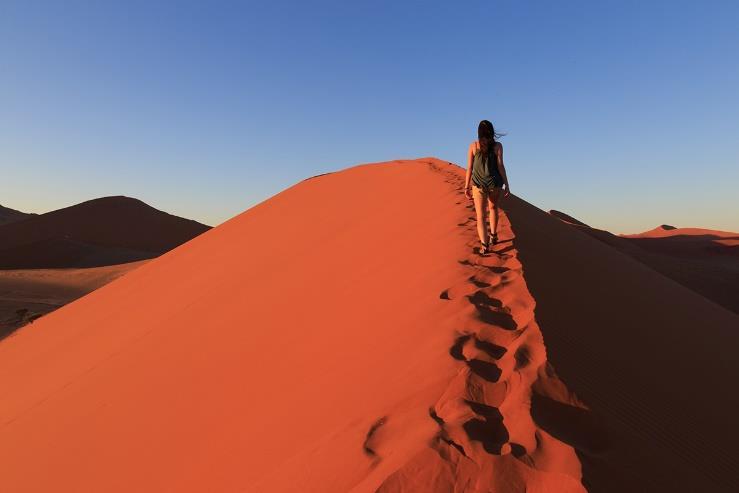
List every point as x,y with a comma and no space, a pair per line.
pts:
485,168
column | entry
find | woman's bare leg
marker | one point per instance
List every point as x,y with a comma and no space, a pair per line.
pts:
478,197
493,198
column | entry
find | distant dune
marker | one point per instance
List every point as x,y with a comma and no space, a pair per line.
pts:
8,215
666,231
704,260
373,350
26,294
51,259
104,231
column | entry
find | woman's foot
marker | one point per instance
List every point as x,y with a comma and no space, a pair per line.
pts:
484,249
493,238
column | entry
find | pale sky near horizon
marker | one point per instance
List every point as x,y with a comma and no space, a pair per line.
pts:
622,114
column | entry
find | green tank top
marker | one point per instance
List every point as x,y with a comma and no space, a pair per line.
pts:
486,174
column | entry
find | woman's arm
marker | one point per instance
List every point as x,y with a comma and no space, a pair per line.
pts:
501,168
470,155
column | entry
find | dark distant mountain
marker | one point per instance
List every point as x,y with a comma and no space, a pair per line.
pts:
704,260
103,231
8,215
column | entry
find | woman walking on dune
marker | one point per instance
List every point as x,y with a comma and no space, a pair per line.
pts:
487,173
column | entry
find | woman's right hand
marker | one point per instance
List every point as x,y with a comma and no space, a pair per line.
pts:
467,192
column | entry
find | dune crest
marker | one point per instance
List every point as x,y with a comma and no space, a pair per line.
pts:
366,344
488,439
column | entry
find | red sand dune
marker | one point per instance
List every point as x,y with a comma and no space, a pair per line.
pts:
371,350
704,260
104,231
666,230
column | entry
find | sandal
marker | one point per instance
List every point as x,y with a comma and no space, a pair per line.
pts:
493,238
484,249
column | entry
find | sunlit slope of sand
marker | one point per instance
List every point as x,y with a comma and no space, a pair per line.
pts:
657,359
339,336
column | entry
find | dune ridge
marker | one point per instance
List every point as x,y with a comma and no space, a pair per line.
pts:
488,439
240,361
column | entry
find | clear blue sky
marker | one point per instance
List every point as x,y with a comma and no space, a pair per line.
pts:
624,114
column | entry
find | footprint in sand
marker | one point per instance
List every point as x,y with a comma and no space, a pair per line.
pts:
493,350
480,297
369,445
489,429
522,357
480,284
457,349
485,369
499,317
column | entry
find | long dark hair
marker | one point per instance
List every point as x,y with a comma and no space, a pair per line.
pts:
487,136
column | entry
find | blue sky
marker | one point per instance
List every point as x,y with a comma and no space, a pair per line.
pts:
624,114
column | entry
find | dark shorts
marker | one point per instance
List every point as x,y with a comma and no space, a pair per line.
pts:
497,183
484,192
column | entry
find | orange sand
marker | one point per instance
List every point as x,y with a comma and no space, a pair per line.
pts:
245,360
663,232
370,349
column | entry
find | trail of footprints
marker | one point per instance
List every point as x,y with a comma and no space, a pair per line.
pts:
499,339
484,414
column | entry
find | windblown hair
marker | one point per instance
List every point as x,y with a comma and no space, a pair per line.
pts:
487,136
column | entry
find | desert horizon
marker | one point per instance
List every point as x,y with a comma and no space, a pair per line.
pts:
44,276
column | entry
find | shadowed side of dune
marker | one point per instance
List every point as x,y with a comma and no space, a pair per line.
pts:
657,360
704,261
8,215
98,232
